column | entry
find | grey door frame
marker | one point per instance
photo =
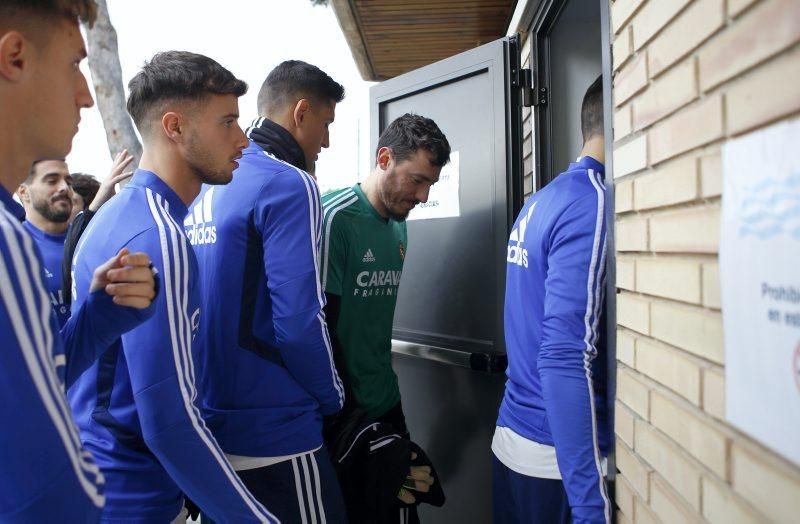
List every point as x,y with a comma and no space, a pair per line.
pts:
611,264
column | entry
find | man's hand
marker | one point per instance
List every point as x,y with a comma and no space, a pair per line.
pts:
128,278
116,175
419,479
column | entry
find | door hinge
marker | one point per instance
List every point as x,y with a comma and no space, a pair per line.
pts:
531,95
540,96
521,79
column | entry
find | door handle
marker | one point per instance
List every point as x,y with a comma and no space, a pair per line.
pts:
474,360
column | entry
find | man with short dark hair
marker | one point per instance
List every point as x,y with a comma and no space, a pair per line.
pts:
46,474
364,248
365,235
136,408
553,431
266,371
88,193
46,196
84,188
299,99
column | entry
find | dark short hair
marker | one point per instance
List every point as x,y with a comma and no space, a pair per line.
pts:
32,171
409,133
592,110
295,79
86,186
23,10
178,76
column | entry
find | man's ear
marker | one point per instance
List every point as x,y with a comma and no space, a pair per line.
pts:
172,126
384,158
301,109
23,193
14,50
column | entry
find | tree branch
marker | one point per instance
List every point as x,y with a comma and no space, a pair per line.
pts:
107,79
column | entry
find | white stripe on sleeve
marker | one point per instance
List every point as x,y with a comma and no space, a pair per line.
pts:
330,213
315,232
175,281
316,222
591,303
37,355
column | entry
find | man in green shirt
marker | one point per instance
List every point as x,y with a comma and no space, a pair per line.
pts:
362,262
363,249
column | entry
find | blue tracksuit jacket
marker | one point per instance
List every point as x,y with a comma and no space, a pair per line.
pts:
52,249
46,473
267,373
136,406
554,294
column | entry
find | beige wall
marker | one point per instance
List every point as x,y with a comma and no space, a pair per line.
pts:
689,75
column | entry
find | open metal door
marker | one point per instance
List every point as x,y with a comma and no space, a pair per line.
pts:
448,351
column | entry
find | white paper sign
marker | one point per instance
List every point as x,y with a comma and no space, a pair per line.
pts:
760,279
443,197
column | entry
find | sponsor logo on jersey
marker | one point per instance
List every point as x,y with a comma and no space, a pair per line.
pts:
516,253
377,283
199,225
57,300
57,296
368,256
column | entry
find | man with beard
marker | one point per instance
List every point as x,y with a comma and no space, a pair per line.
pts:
135,408
46,473
267,373
47,198
363,252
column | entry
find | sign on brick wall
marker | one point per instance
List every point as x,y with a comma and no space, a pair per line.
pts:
760,284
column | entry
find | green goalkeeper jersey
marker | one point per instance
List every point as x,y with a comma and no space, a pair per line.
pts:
362,260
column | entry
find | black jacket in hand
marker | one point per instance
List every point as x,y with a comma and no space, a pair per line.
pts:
372,460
